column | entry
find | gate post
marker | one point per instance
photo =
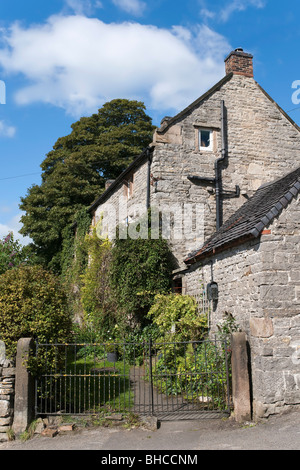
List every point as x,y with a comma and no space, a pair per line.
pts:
151,376
240,377
24,388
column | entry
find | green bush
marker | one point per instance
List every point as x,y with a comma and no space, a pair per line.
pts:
32,304
177,317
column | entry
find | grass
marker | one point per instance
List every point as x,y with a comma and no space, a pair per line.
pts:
87,385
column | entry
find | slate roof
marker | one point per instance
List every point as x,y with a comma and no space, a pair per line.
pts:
253,217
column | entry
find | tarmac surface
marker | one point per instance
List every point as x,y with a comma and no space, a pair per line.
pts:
279,432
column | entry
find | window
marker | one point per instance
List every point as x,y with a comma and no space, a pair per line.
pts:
128,187
205,137
177,285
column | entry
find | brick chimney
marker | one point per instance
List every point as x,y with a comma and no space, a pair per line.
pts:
239,63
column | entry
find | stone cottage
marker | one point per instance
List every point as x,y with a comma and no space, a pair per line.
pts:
206,161
253,262
224,173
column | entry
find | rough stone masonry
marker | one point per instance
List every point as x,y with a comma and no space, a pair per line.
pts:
7,389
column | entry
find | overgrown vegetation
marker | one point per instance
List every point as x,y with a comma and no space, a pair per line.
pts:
177,318
113,285
32,304
74,260
196,369
140,269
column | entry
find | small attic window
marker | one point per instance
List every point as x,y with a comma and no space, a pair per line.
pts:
205,137
128,186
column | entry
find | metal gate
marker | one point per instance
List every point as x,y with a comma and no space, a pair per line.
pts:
170,380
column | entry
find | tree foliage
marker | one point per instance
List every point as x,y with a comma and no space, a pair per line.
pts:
74,260
12,254
74,172
32,304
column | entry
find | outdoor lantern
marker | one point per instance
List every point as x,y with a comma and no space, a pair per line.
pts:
212,291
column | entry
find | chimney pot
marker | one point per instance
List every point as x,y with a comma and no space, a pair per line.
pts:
239,63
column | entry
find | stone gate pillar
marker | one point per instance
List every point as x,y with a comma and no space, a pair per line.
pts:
24,388
240,377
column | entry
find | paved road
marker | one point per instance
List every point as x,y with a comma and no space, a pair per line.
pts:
277,433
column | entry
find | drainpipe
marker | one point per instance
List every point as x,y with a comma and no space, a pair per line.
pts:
218,179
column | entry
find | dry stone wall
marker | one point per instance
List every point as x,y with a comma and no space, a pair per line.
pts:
7,389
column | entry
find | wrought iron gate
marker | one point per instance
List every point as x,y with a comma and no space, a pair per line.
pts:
168,380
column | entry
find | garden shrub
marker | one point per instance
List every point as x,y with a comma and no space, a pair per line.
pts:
177,317
32,304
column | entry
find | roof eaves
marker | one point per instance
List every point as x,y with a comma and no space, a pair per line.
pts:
275,210
206,253
279,108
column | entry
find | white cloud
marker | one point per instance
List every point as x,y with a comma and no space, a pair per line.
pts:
78,63
239,5
136,7
81,7
6,130
205,13
229,8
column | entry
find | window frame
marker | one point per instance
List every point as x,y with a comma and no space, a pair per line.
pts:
210,148
128,186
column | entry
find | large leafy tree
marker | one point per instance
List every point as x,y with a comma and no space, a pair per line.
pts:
74,172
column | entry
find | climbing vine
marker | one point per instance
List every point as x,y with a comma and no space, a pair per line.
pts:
74,259
140,269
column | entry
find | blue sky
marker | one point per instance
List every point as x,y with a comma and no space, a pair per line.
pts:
62,59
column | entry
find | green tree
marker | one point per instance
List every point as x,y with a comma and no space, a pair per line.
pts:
74,172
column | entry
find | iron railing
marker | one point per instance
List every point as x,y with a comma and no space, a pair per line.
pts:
164,379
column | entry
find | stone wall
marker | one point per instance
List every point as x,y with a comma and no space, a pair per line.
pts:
7,390
122,207
259,284
262,145
275,335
